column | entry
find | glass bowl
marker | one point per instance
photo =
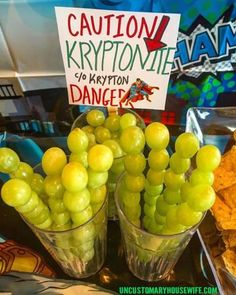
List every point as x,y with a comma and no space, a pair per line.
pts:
215,126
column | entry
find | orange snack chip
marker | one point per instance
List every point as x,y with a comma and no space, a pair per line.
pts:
225,174
229,257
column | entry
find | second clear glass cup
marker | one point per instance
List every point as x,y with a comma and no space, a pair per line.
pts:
150,257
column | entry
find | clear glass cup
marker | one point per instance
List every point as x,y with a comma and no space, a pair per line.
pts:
79,251
150,257
114,173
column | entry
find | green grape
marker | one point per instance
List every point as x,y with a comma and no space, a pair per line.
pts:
36,212
81,157
62,242
154,228
115,147
9,160
56,205
186,145
172,197
132,213
98,195
158,159
101,134
130,199
208,158
155,178
118,166
162,207
135,164
201,198
185,191
84,234
76,202
92,140
172,180
88,255
171,217
143,256
149,210
157,136
53,186
127,120
175,229
74,177
61,218
172,225
16,192
95,118
100,158
42,217
79,218
132,140
61,227
201,177
24,172
160,219
150,200
82,247
186,216
30,205
46,224
153,190
101,217
77,141
96,179
112,122
96,207
53,161
135,183
88,129
37,183
146,221
179,165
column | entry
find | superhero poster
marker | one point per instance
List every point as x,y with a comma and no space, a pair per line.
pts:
118,59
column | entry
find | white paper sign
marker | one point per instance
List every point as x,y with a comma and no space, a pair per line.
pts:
117,58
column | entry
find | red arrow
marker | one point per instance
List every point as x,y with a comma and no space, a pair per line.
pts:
156,43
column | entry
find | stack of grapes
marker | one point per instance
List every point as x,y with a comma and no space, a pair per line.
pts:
66,195
164,194
107,130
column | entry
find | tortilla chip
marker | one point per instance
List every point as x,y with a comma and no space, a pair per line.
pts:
229,258
228,225
229,238
223,179
225,174
224,209
229,159
221,211
229,196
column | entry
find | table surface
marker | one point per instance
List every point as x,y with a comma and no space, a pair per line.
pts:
114,273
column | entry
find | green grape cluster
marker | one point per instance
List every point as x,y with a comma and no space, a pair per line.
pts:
107,130
175,196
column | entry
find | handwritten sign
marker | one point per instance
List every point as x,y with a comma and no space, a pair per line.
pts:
117,58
